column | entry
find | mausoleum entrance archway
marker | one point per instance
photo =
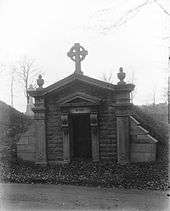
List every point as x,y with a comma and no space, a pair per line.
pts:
80,136
80,133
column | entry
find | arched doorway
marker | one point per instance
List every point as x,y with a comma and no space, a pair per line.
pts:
80,136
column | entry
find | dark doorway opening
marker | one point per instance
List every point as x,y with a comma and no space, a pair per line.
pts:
80,137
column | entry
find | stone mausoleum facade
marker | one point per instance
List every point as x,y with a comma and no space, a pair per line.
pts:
81,118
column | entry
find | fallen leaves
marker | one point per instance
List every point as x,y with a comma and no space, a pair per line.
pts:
141,176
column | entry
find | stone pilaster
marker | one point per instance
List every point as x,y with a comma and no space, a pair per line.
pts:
94,136
123,107
122,120
66,142
39,118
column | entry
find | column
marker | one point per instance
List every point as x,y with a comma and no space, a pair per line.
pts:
123,107
66,142
123,138
39,118
94,136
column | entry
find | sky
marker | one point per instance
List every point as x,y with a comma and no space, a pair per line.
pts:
112,32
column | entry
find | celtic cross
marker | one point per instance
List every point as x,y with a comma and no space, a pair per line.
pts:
77,53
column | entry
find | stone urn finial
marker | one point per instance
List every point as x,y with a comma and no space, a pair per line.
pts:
40,82
121,76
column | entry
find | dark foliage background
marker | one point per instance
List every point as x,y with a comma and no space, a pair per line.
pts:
154,119
12,124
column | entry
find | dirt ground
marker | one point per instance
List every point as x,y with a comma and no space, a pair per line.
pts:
57,197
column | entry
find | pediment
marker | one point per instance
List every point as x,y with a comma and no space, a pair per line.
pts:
72,79
79,99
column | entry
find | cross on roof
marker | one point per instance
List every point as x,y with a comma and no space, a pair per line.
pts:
77,53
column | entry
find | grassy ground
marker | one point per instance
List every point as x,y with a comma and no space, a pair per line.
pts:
141,176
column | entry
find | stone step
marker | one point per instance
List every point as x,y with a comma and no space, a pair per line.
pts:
109,146
54,156
106,136
106,148
108,141
108,127
54,145
56,152
111,130
108,154
109,136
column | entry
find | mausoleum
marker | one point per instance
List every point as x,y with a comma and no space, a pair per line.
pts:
82,118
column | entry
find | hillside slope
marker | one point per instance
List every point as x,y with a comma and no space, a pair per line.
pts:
12,124
156,124
158,111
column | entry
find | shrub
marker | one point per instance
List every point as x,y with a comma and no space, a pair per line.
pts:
12,124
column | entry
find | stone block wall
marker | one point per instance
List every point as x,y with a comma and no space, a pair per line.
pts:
54,142
143,152
107,133
27,144
143,145
106,120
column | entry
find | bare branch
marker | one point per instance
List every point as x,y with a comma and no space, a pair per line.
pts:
12,86
129,14
162,7
104,27
123,19
27,72
2,67
107,77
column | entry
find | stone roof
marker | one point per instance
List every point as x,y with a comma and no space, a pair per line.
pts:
81,78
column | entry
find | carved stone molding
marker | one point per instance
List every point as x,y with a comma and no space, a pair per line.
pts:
39,109
39,117
93,120
94,136
39,102
64,120
66,141
39,114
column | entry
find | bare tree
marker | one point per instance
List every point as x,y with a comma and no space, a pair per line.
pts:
165,94
2,67
27,72
13,72
133,80
169,101
154,94
154,97
108,77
